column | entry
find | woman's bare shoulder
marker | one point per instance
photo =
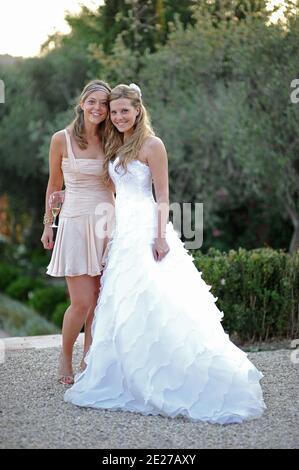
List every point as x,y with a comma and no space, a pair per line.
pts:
152,150
58,142
153,142
152,145
58,137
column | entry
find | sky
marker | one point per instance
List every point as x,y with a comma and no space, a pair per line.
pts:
26,24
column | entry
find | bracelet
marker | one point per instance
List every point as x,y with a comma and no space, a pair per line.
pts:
48,219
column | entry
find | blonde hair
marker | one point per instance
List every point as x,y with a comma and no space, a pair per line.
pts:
114,145
78,128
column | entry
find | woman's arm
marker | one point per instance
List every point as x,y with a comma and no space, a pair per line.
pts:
55,183
156,157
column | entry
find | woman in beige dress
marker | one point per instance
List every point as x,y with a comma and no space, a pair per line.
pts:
76,159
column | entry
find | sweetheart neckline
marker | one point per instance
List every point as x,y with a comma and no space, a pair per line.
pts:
136,160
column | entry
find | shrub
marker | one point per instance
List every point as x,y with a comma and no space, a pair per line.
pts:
36,262
258,291
8,273
20,288
46,299
58,314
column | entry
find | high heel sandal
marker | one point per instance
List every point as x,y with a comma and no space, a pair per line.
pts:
66,380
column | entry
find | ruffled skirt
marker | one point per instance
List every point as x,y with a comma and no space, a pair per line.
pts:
158,343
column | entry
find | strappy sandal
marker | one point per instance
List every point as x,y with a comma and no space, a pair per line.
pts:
66,380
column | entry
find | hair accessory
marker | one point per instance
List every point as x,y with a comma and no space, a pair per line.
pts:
135,88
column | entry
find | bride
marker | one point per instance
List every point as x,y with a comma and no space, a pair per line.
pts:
158,345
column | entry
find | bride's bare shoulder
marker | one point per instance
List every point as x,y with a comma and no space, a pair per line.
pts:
153,151
153,143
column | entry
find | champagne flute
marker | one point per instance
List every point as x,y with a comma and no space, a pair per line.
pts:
55,202
55,211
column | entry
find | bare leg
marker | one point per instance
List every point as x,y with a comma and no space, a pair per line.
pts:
88,324
83,295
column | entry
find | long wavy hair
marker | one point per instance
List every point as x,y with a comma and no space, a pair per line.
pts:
77,125
114,143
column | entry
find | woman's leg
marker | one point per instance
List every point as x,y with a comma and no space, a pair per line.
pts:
83,292
88,322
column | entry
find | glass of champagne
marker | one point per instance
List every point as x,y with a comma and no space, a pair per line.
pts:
55,212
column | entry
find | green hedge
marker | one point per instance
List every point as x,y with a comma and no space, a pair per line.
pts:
8,274
20,282
257,290
58,314
46,299
21,288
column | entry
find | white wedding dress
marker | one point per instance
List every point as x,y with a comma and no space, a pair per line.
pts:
158,344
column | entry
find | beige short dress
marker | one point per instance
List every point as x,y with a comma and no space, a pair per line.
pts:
81,241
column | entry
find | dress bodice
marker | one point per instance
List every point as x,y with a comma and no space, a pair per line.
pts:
135,207
134,183
84,189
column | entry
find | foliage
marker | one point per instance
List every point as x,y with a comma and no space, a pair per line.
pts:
258,291
58,314
8,274
45,300
224,111
22,287
216,78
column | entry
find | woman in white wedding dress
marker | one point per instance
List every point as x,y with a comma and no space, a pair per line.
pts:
158,345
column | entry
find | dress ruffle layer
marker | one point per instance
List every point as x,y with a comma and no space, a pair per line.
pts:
158,343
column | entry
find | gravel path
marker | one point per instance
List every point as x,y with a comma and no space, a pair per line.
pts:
34,415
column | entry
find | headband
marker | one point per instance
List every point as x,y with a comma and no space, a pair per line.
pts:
136,88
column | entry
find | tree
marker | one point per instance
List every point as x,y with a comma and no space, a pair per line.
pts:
229,126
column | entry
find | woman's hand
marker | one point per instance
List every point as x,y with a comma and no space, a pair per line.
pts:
56,199
160,248
47,238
